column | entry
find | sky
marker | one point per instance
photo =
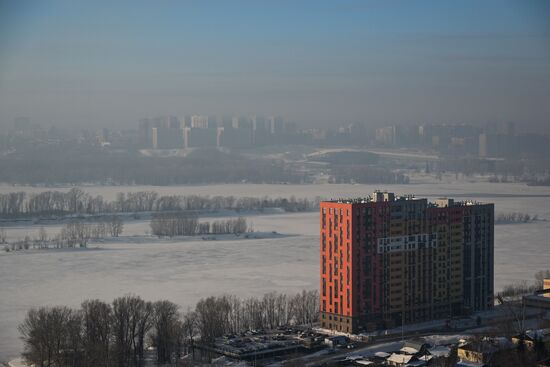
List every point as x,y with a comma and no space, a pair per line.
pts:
320,63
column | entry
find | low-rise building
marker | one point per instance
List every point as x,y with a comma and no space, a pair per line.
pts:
484,350
336,340
531,338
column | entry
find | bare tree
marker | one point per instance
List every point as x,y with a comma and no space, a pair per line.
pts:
96,319
114,335
189,329
116,225
50,336
210,321
3,236
144,314
128,314
42,237
168,330
188,225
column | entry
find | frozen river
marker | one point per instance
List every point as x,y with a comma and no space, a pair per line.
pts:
185,271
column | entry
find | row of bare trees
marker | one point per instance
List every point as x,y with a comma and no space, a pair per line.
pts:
524,287
102,334
78,202
515,217
181,224
72,234
118,334
217,316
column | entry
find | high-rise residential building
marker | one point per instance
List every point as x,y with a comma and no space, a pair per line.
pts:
167,138
260,132
235,122
200,138
227,121
275,124
234,137
199,121
387,261
258,123
145,132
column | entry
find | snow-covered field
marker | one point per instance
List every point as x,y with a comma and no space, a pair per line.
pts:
186,270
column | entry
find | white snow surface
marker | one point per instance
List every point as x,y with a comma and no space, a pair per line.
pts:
186,270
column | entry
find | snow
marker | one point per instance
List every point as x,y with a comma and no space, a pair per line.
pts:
440,351
408,350
399,358
17,362
364,363
184,270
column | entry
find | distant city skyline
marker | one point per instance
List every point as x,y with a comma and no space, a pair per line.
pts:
318,63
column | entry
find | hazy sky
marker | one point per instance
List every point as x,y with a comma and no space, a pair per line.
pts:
111,62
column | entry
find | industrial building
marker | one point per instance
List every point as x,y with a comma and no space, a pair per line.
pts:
387,261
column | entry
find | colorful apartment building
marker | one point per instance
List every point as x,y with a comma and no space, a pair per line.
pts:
387,261
546,287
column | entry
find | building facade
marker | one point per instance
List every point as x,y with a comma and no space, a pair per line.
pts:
546,287
387,261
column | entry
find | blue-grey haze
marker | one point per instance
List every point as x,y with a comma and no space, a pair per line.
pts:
102,63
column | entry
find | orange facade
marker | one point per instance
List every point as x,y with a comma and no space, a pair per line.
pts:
387,261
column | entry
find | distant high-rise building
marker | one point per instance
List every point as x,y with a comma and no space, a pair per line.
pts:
386,135
200,137
145,132
234,137
387,261
227,121
199,122
259,123
167,138
260,132
243,123
494,145
212,121
171,122
275,125
235,122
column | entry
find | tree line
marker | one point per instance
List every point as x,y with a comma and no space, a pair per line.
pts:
365,174
524,288
509,218
63,163
116,334
181,224
78,202
72,234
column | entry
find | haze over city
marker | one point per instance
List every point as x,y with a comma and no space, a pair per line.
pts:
319,63
274,183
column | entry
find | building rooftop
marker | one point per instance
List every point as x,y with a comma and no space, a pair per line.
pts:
379,196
